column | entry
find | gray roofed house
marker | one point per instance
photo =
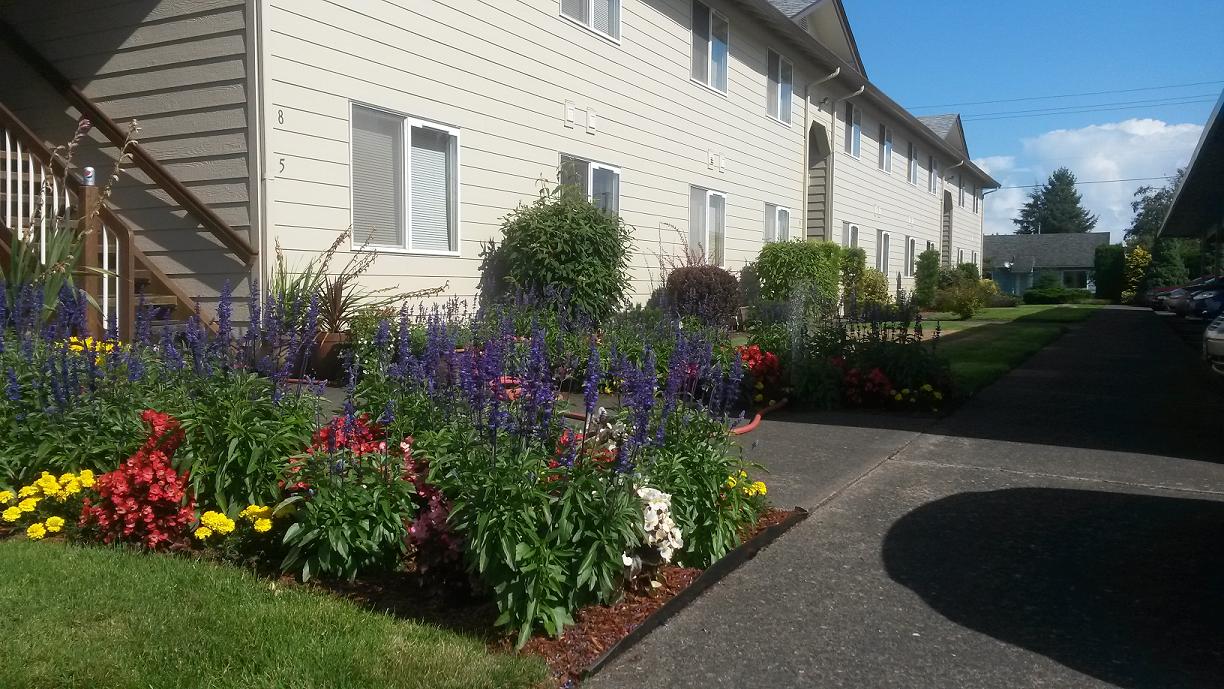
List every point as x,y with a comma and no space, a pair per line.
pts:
1014,261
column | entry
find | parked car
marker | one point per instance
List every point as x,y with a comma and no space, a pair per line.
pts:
1155,297
1213,344
1208,302
1181,300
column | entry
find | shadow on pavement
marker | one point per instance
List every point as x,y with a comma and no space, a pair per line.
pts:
1121,381
1125,588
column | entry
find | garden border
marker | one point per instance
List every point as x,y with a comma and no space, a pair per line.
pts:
712,575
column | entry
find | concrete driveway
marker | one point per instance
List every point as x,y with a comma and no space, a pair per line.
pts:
1062,529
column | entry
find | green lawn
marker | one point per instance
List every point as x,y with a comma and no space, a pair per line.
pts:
1048,313
980,355
104,618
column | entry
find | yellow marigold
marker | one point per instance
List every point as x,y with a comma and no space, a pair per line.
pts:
36,531
86,478
743,474
12,514
55,524
263,525
6,496
47,483
927,387
217,522
203,533
730,481
897,397
28,504
256,512
760,487
72,488
28,491
67,478
905,391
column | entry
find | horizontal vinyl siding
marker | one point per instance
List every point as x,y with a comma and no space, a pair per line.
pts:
179,68
501,73
865,195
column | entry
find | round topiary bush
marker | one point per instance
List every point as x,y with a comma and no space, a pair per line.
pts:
565,245
709,293
783,265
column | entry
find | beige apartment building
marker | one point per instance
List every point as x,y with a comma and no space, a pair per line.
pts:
708,125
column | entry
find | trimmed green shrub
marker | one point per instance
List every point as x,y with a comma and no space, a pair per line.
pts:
1056,295
707,293
853,265
873,289
927,279
564,245
1110,271
782,265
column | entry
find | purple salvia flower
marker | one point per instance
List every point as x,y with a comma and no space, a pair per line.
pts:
225,323
590,388
171,356
12,388
143,327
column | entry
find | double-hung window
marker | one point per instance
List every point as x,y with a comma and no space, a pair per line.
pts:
976,191
600,16
854,130
933,178
975,258
960,256
882,251
777,223
930,245
598,182
886,148
850,234
405,182
707,224
711,41
781,87
912,164
960,186
911,256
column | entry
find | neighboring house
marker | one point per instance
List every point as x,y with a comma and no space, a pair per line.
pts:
1016,261
711,126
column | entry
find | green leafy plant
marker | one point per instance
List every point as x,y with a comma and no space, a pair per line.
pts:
926,279
565,245
708,293
783,265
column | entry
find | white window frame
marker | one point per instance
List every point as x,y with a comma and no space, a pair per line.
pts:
709,82
592,166
773,220
785,103
850,235
960,256
912,164
975,198
886,148
911,256
407,123
705,245
975,257
960,190
933,177
589,25
929,246
883,249
854,130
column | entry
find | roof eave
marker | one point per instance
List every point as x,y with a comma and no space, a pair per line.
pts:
1185,217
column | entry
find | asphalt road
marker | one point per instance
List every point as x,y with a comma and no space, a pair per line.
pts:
1061,529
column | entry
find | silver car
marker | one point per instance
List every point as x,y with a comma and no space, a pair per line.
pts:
1213,344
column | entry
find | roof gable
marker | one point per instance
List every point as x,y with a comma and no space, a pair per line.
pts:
949,128
1026,252
826,20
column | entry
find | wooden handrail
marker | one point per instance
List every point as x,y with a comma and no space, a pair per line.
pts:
140,157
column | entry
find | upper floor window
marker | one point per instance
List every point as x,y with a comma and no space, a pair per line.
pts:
711,38
882,251
601,16
854,129
707,224
911,256
960,256
960,186
886,148
933,177
850,234
912,164
598,182
781,87
777,223
976,192
405,182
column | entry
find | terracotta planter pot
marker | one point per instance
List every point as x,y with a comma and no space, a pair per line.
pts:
325,362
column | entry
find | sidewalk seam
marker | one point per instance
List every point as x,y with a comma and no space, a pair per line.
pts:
861,477
1042,474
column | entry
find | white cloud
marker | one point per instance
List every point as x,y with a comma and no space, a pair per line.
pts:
1119,150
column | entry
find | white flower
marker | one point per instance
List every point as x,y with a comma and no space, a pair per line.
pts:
662,534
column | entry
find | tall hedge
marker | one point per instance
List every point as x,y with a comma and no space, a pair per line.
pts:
783,265
926,280
1110,271
563,244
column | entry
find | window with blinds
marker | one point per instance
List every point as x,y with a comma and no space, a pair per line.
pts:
602,16
405,183
780,87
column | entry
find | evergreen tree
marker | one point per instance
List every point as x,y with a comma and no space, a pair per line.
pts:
1150,206
1055,208
1167,268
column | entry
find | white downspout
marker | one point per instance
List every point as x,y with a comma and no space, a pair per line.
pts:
807,139
833,158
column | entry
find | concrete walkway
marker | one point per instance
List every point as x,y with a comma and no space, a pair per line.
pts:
1062,529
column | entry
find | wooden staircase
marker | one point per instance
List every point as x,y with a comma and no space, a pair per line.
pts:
37,187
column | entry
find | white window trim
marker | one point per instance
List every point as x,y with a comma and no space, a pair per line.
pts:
856,141
589,27
407,122
710,53
781,61
911,256
885,149
974,255
850,234
976,205
882,254
592,166
913,166
705,245
933,175
777,213
960,191
960,256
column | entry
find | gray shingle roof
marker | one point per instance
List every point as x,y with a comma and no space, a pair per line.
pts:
792,7
940,124
1028,251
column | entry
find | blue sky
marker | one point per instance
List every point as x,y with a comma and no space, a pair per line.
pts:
955,51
